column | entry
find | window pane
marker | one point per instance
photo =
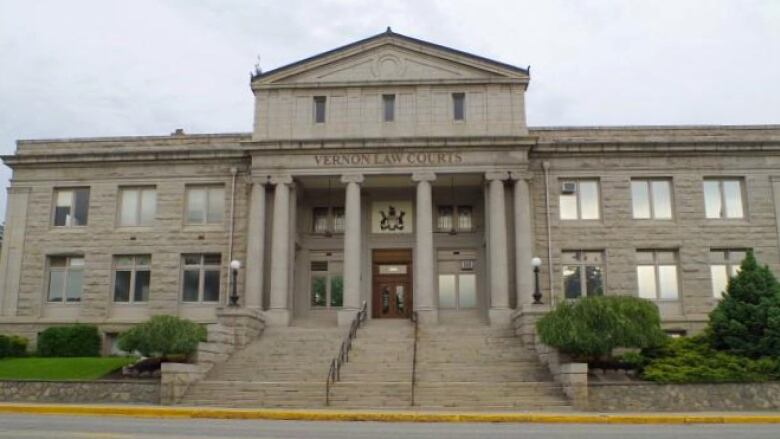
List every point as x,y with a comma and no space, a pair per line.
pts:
192,259
211,286
570,257
129,208
667,278
318,290
80,207
644,257
446,291
389,107
212,259
75,280
216,205
76,262
712,202
338,219
320,219
142,280
319,109
732,192
148,206
640,199
56,285
467,290
645,275
737,256
459,106
594,281
196,206
445,218
122,286
464,218
336,290
589,199
662,200
58,261
124,261
719,280
143,261
592,257
190,286
666,257
568,204
62,208
572,285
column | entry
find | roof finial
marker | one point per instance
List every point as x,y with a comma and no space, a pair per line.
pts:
389,30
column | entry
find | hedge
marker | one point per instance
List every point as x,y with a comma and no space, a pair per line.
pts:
69,341
12,346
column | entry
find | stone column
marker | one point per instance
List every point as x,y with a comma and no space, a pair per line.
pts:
255,248
352,246
424,290
500,312
279,312
524,243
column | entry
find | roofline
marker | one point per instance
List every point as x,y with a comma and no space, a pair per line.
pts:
654,127
389,32
241,135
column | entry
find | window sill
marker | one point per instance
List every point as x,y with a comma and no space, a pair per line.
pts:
199,303
580,223
204,227
133,229
130,304
69,229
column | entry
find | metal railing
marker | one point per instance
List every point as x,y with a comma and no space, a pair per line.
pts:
414,356
334,373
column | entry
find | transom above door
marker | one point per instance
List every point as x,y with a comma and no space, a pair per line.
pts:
392,283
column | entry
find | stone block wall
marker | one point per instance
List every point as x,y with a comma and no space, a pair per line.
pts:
95,392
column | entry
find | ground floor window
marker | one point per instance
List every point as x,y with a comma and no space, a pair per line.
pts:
200,277
583,273
656,273
132,275
457,279
724,264
327,279
66,278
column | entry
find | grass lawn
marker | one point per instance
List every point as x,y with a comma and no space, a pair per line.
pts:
35,368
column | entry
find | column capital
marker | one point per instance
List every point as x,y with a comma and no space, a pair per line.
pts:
497,175
517,174
281,179
352,178
423,176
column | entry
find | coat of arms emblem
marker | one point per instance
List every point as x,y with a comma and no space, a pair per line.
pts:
393,220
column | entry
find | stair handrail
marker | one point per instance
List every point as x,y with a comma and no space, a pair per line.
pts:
415,319
334,373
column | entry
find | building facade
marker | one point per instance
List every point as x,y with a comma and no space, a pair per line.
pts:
394,172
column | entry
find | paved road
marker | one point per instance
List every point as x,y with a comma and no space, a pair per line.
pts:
83,427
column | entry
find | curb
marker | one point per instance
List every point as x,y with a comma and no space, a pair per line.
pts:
384,416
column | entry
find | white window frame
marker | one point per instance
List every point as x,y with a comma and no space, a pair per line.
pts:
139,211
648,182
656,264
578,198
202,268
455,218
583,272
722,193
133,268
731,266
208,188
72,206
66,270
331,258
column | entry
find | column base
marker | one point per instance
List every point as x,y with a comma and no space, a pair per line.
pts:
428,316
278,317
345,316
500,316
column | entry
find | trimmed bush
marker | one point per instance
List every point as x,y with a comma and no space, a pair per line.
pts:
163,336
12,346
747,319
589,329
69,341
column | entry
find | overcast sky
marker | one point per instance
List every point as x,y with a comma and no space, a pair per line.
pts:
142,67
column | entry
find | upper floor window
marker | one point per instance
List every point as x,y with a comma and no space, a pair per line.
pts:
459,106
319,109
137,206
724,264
200,277
723,198
132,275
583,273
454,219
651,198
388,107
328,220
656,273
579,199
66,278
205,204
327,279
71,207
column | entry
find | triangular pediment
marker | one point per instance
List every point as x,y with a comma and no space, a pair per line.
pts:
390,57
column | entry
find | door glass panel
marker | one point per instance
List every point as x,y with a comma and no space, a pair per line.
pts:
385,300
392,269
336,290
318,290
446,290
467,290
399,298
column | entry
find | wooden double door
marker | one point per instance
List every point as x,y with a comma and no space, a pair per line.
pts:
392,283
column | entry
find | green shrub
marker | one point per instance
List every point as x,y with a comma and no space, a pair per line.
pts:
163,336
69,341
747,319
12,346
589,329
692,360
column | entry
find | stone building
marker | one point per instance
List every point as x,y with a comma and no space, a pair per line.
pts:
390,171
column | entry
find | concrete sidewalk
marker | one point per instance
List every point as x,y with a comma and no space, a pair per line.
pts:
394,415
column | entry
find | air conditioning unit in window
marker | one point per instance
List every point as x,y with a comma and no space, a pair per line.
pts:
569,187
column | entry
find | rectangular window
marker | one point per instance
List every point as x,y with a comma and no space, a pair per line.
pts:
579,199
132,278
723,198
454,219
724,264
71,207
583,273
66,278
205,204
319,109
459,106
137,206
327,280
328,220
388,106
656,273
201,277
457,279
652,199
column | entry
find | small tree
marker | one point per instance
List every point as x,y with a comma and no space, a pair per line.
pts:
747,319
163,336
589,329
